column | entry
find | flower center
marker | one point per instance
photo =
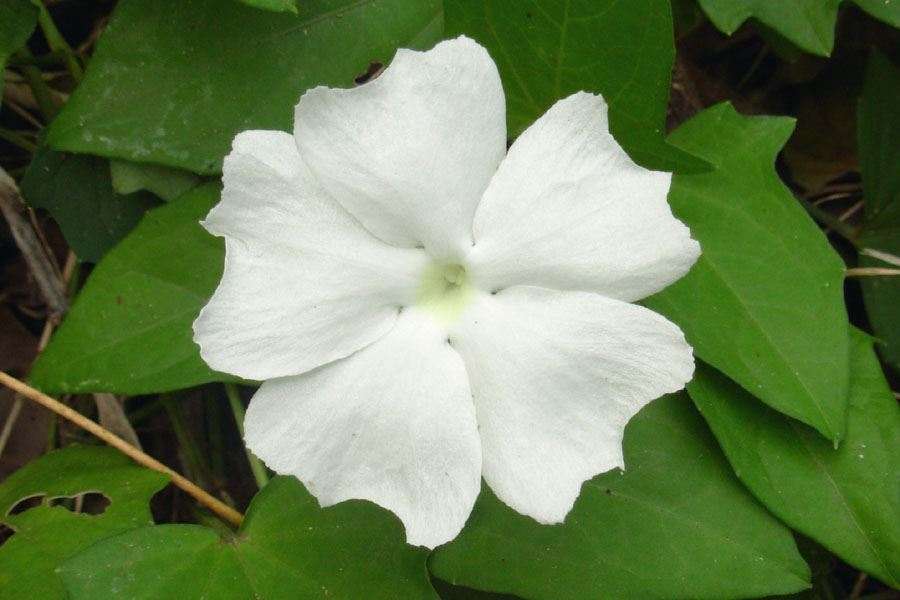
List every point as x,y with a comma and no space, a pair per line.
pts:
444,291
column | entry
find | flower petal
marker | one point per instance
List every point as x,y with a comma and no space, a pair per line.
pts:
410,153
555,377
568,209
393,423
304,283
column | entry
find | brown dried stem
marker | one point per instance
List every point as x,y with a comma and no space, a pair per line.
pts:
221,509
43,267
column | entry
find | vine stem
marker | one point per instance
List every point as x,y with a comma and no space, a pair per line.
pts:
871,272
42,93
828,220
237,409
191,455
17,139
57,42
221,509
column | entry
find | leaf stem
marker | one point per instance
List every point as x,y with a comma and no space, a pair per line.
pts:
18,140
214,411
57,42
192,455
52,432
237,409
42,93
844,230
48,60
221,509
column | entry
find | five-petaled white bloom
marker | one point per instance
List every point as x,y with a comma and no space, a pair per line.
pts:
426,309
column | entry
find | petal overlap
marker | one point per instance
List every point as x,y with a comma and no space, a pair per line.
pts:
555,377
304,283
393,423
428,309
568,209
410,153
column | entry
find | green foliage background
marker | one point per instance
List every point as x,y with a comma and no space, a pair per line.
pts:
785,447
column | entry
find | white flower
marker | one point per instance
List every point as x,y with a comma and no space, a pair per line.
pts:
427,309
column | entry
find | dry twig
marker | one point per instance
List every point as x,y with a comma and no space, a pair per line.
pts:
871,272
215,505
43,267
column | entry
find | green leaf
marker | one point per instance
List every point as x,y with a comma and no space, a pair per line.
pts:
173,81
879,157
881,294
164,182
807,23
887,11
878,125
846,499
287,547
675,524
548,49
764,304
49,533
17,21
129,330
77,191
274,5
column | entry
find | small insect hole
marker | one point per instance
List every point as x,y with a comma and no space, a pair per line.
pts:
89,503
26,503
372,71
6,532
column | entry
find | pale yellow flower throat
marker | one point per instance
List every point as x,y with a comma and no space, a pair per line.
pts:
445,291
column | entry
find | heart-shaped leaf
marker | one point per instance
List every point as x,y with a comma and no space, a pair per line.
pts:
129,330
76,189
45,531
547,50
846,498
764,304
287,547
807,23
172,82
675,524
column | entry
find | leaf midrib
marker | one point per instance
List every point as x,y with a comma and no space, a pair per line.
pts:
799,434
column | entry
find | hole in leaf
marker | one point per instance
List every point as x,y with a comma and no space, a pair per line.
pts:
88,503
26,503
6,532
372,71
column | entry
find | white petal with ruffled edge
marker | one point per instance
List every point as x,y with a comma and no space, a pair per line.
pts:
304,283
568,209
393,423
555,377
410,153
